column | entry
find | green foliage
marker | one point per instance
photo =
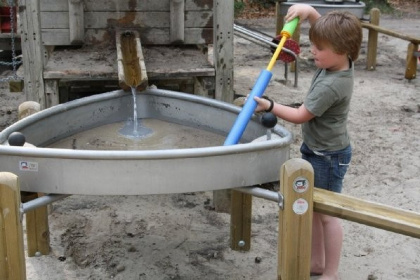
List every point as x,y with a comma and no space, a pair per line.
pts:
239,6
382,5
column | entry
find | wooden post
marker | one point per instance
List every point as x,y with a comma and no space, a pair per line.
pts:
372,40
12,254
28,108
223,63
279,28
177,21
295,220
52,95
32,51
76,22
279,17
240,221
37,230
411,67
223,49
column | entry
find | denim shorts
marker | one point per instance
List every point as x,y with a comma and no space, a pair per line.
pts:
329,166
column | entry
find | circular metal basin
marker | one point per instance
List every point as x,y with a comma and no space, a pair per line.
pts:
138,172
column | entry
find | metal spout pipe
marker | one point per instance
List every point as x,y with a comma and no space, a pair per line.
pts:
41,201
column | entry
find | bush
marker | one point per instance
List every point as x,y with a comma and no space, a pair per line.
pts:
382,5
239,6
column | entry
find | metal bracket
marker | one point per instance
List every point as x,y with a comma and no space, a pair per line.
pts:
281,201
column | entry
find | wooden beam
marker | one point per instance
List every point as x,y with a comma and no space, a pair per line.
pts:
37,230
52,96
154,36
223,49
32,51
146,20
372,40
223,63
368,213
375,27
125,6
76,22
177,21
240,221
12,254
295,220
411,64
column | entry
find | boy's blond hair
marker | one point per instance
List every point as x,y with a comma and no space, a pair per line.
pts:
339,30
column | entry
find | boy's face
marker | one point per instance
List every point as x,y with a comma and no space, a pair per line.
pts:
325,57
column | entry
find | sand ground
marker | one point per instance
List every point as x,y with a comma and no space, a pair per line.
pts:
180,236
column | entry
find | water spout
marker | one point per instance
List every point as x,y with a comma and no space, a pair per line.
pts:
131,67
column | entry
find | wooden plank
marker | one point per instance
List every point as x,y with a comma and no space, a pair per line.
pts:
177,21
367,213
372,41
223,46
411,64
81,74
240,221
12,232
223,62
76,22
199,19
160,62
152,36
54,5
32,51
392,33
295,220
51,93
198,5
223,54
56,37
3,252
108,5
145,5
38,235
104,20
126,5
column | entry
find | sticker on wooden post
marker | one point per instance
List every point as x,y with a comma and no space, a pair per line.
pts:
300,206
300,185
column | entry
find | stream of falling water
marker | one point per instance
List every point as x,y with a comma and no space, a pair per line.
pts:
134,129
135,120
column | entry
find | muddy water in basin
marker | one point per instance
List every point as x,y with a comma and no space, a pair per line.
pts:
162,135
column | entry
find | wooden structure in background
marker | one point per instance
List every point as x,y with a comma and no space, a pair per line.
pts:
177,37
375,29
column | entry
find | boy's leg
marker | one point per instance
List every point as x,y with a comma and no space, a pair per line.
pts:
333,240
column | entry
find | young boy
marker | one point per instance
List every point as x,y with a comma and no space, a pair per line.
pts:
336,38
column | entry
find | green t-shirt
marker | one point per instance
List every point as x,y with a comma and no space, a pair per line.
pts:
329,100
